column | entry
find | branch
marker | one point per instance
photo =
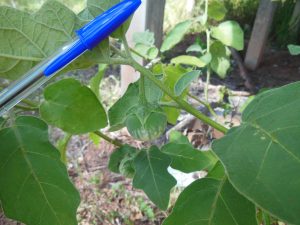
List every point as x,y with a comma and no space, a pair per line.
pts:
182,103
108,139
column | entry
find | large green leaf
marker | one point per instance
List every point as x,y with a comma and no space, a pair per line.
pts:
72,107
212,201
152,176
117,113
26,39
187,159
220,62
34,183
176,35
97,7
229,33
262,156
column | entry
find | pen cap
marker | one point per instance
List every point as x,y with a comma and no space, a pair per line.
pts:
103,25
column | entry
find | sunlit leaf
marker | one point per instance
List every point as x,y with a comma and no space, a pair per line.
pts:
72,107
176,35
192,60
229,33
220,62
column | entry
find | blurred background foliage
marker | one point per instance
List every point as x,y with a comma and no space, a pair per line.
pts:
243,11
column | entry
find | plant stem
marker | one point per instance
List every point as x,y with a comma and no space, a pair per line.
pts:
30,103
207,105
181,103
108,139
169,104
142,91
26,108
117,51
63,148
126,47
137,53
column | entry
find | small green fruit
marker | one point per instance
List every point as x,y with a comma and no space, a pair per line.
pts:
146,122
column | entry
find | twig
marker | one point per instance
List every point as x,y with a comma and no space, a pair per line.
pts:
108,139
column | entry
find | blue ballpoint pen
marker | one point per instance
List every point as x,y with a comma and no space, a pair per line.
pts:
86,38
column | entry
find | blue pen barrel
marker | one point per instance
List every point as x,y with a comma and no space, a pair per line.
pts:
39,75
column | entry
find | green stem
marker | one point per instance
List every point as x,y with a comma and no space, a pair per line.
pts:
108,139
117,51
126,46
26,108
170,105
30,103
181,103
137,53
63,148
207,105
142,91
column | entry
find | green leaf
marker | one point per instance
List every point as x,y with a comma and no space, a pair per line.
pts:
171,76
145,38
294,49
97,7
184,82
176,35
152,176
262,155
220,62
194,48
212,201
153,93
148,52
95,138
27,39
2,121
229,33
117,113
118,155
146,122
34,183
96,80
187,159
216,10
192,60
72,107
178,138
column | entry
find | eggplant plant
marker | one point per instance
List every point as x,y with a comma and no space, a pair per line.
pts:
252,171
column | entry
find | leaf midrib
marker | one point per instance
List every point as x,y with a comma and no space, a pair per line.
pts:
23,151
